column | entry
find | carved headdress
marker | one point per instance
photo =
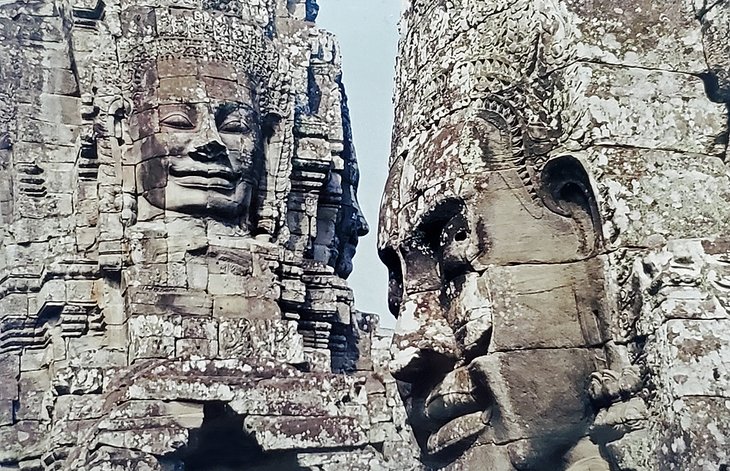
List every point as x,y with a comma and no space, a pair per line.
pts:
243,40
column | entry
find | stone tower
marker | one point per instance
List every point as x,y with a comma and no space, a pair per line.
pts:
179,216
556,227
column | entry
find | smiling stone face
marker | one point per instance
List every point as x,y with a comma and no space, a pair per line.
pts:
202,150
499,295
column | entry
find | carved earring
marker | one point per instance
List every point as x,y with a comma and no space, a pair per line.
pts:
566,190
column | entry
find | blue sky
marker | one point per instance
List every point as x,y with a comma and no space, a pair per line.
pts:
368,34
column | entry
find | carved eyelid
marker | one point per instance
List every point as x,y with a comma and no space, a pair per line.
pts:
227,122
233,113
177,119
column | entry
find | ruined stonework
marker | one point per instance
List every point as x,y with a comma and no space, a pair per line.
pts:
178,217
556,225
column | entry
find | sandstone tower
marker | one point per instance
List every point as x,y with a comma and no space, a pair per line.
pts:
556,226
179,215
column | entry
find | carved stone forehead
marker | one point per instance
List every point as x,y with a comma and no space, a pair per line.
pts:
192,80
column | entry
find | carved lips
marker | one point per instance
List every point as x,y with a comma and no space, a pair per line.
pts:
213,177
456,409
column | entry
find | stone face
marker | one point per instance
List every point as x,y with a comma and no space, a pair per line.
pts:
179,215
555,229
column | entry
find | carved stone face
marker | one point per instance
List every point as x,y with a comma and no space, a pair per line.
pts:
203,149
499,302
353,223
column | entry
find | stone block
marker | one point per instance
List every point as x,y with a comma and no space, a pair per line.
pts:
694,435
7,412
78,380
617,106
75,408
241,307
300,433
266,339
382,432
379,410
177,275
311,396
690,357
36,359
81,291
198,327
15,304
33,405
11,448
52,291
226,284
196,274
531,399
152,347
10,372
168,301
610,38
30,381
540,306
148,250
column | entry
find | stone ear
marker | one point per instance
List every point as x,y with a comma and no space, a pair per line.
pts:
566,190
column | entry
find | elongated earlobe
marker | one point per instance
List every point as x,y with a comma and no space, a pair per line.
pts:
119,111
566,190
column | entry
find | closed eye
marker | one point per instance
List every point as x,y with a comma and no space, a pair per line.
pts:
177,121
234,124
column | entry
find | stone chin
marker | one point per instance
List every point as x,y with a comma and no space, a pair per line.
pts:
469,424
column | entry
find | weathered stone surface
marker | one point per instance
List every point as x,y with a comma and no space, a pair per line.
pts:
555,226
179,215
286,433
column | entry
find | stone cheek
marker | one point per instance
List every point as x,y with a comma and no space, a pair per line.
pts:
179,214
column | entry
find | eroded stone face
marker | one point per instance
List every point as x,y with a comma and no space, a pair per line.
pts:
553,222
501,316
204,154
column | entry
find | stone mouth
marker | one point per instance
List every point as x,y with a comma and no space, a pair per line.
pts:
215,177
456,409
458,434
443,407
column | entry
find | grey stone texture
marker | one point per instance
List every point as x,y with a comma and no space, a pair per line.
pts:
178,218
556,228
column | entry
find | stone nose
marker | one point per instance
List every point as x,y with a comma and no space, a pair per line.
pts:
206,144
212,150
363,228
424,346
